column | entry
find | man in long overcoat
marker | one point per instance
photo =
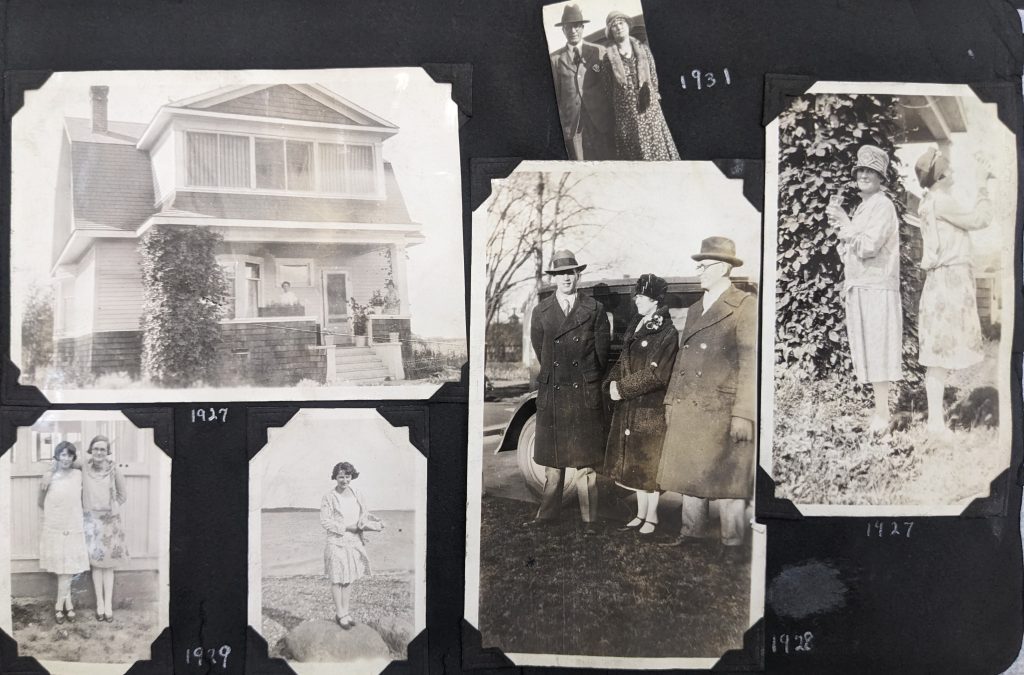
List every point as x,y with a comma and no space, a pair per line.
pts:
711,400
582,92
571,338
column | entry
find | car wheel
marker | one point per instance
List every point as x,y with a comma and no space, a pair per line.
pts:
532,472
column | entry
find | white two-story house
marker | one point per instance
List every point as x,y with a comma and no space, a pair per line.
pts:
292,177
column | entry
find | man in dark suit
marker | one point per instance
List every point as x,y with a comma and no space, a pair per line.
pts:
582,92
571,338
711,403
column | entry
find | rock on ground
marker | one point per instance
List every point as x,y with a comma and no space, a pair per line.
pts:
325,641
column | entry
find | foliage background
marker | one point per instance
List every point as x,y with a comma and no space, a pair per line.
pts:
37,330
184,296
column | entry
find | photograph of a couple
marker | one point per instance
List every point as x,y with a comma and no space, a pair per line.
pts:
613,421
337,542
606,84
84,530
892,211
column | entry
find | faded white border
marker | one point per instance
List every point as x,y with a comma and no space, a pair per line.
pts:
474,484
771,216
256,470
423,184
161,481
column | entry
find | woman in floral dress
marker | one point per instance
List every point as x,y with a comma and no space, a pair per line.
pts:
344,515
103,493
640,129
949,331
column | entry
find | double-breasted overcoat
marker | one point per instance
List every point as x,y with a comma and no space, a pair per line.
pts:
638,420
584,100
573,355
713,380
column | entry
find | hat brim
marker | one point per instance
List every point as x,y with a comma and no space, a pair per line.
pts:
735,262
566,23
566,268
869,168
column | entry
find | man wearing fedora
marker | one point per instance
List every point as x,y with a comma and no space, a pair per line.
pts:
571,337
711,402
582,92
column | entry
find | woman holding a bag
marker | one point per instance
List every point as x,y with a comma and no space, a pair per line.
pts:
344,515
640,129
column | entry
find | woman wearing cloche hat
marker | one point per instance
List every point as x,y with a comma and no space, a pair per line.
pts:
949,331
636,386
870,250
640,129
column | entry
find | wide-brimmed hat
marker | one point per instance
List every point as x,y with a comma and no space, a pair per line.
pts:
564,261
652,286
874,158
930,167
718,248
572,14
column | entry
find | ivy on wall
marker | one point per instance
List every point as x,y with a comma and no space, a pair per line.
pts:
184,296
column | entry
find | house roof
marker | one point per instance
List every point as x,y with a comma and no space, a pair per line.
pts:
278,207
112,181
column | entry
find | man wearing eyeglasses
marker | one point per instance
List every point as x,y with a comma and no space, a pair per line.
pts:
582,92
571,338
711,403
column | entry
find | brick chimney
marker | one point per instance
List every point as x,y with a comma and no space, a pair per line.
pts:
99,108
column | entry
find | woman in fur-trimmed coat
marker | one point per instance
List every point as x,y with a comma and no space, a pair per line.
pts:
636,386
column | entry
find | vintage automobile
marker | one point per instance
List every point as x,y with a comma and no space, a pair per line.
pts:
616,296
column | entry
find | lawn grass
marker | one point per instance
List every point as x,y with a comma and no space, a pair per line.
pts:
824,454
554,591
383,601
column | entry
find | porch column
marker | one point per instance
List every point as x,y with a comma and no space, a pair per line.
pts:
398,273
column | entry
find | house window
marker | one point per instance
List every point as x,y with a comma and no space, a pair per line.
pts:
298,273
270,163
347,169
300,165
217,160
244,290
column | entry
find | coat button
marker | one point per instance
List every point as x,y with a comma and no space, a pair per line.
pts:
576,364
703,346
698,373
643,343
576,339
556,387
556,364
627,432
575,385
686,346
556,342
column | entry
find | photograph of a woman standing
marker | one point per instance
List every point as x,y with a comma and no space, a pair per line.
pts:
949,332
344,515
640,129
870,250
636,387
61,539
103,493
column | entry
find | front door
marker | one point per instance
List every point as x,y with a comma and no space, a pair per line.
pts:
336,310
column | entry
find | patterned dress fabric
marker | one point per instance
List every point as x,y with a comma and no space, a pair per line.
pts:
345,558
103,493
61,540
638,135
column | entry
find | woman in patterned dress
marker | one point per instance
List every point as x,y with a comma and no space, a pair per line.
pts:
103,493
640,129
636,386
61,539
949,331
345,517
870,249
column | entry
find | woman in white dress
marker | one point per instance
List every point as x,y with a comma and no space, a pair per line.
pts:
344,515
62,537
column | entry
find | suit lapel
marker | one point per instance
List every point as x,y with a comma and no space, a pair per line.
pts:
718,311
577,315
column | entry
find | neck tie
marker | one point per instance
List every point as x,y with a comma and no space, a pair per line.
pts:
566,307
576,56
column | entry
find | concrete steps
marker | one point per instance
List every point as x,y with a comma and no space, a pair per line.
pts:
358,365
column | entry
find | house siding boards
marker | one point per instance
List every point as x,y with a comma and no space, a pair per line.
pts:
284,102
119,293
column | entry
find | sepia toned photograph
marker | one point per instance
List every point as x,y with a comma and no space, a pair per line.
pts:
613,416
606,83
337,542
890,209
85,532
245,235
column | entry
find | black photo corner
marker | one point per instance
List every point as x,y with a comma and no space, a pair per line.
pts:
948,599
